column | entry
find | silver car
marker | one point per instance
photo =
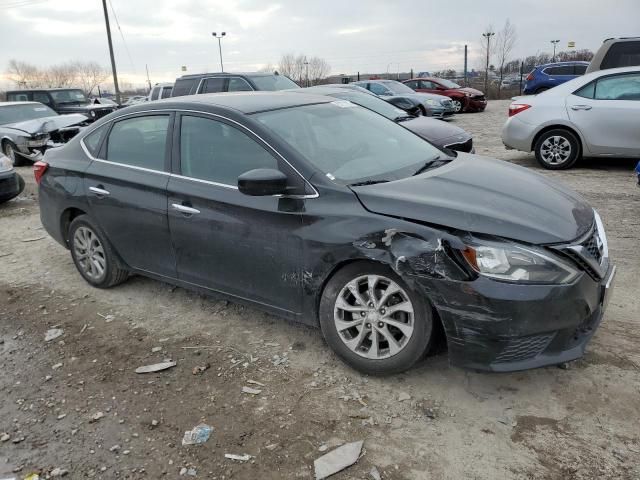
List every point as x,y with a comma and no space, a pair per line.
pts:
596,115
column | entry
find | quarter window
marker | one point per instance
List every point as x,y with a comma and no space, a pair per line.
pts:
139,142
214,151
94,140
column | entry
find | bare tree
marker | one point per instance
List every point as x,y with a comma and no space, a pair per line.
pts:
319,68
505,41
23,74
62,75
268,68
89,75
287,64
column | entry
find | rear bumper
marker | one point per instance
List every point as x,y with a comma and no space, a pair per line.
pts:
517,135
11,185
504,327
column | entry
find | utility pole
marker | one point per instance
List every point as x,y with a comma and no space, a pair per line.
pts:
488,36
113,60
466,83
306,64
555,42
148,79
219,37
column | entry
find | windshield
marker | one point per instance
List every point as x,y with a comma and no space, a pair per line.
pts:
21,113
68,96
273,82
348,143
397,87
448,83
371,102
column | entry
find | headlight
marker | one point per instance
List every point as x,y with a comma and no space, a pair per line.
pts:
467,94
518,263
92,113
5,164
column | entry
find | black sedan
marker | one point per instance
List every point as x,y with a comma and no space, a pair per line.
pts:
329,214
441,134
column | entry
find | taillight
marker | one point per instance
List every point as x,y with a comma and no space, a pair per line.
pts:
529,77
515,108
38,170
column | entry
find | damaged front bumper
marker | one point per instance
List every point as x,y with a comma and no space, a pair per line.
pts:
504,327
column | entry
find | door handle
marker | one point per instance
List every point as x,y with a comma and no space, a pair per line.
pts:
581,107
99,191
184,209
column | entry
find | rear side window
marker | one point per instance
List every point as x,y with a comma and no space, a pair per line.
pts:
94,140
139,142
579,69
618,87
213,85
17,97
183,87
413,84
214,151
377,89
237,84
562,70
166,92
155,93
622,54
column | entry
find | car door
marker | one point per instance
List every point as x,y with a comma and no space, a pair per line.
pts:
224,240
126,187
607,112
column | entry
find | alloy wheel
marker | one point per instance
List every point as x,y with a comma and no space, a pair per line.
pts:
374,317
555,150
89,253
10,153
457,105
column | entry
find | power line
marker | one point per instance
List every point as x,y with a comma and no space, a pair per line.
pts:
115,17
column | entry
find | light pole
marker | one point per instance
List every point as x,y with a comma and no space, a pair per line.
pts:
306,64
488,36
113,60
219,37
555,42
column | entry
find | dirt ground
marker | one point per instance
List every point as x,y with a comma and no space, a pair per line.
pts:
575,423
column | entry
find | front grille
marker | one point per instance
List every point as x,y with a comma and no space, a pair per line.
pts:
462,146
524,348
446,103
591,245
480,98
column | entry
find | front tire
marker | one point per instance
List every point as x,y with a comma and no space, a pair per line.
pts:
557,149
10,151
457,105
93,255
373,321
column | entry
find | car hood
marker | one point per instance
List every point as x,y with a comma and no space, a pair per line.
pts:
471,91
84,107
47,124
423,97
482,195
435,130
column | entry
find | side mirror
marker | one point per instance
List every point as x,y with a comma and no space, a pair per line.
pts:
262,182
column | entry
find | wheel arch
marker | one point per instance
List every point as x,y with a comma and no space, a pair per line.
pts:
68,215
558,126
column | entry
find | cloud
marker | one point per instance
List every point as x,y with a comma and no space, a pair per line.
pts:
354,30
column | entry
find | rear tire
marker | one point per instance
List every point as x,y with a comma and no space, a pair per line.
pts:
364,331
93,255
557,149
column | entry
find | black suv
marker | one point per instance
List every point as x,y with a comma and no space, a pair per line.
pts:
230,82
63,100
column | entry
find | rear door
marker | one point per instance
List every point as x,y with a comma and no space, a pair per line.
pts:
607,111
224,240
126,189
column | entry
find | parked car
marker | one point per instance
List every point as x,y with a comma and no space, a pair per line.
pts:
596,115
105,101
616,53
160,91
638,173
465,99
551,75
11,184
411,102
231,82
327,213
135,100
62,101
441,134
27,129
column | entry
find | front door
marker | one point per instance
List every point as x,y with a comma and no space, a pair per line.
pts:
607,112
245,246
126,189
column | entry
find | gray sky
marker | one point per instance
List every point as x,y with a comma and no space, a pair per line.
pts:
352,35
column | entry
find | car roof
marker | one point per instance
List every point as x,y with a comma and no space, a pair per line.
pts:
231,74
8,104
245,102
570,62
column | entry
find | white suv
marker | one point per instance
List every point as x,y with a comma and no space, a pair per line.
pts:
615,53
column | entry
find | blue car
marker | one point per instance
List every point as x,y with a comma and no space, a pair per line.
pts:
547,76
638,173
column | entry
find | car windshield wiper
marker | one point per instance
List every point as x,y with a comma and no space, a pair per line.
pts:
435,162
367,182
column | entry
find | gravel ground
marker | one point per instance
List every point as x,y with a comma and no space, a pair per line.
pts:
435,422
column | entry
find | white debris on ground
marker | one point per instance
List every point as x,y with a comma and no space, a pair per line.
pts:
337,460
52,334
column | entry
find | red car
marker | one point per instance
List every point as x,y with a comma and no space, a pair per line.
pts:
464,99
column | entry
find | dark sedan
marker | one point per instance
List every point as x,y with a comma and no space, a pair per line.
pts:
324,212
441,134
11,184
